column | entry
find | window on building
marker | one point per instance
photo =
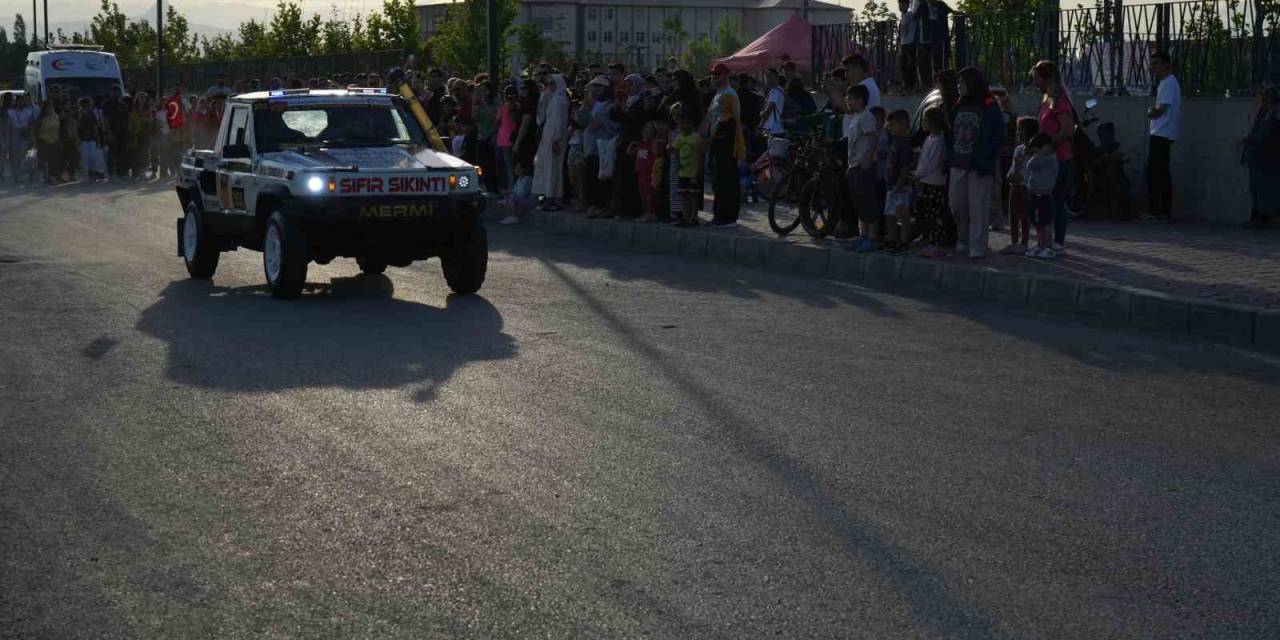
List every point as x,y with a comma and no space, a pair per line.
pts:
624,36
640,37
591,14
608,13
591,36
657,37
608,36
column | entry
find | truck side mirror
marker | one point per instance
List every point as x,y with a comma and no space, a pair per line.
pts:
235,152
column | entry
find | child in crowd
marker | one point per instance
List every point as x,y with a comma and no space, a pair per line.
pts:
897,163
882,160
643,151
658,150
89,132
860,131
688,146
675,198
931,179
575,159
1041,172
1019,225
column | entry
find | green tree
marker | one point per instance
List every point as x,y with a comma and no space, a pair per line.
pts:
529,41
289,34
673,33
874,11
252,40
180,45
377,33
701,52
221,48
729,38
335,34
461,41
19,31
133,41
400,24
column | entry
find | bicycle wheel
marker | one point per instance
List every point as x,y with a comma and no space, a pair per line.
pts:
784,210
770,180
820,205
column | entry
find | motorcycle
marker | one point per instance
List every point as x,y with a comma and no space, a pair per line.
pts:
1102,187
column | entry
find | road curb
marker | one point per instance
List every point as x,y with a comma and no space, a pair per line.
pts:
1255,327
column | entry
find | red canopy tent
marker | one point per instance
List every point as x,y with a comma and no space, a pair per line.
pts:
791,39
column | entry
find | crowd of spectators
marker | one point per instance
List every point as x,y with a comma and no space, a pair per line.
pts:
613,142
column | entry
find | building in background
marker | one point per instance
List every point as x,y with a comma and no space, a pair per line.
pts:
633,31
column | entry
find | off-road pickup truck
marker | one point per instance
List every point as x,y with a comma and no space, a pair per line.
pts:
312,175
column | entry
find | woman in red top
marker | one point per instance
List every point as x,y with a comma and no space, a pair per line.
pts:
1057,119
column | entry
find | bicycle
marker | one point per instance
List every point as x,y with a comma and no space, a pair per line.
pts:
824,194
778,177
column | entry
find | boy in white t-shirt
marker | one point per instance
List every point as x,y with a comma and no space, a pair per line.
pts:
863,138
1166,126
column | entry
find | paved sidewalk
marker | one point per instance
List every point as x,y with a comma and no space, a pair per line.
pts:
1190,260
1217,282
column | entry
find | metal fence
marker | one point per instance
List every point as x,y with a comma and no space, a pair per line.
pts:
198,76
1219,47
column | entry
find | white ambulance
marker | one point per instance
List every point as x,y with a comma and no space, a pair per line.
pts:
78,71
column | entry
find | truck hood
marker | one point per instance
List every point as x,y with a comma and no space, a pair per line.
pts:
368,159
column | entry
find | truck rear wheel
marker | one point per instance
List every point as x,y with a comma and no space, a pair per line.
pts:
284,257
464,264
198,250
371,266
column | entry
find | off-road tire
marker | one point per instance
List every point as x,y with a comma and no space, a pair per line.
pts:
199,252
371,266
464,264
283,241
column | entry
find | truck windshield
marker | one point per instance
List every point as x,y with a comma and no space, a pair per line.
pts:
337,125
76,88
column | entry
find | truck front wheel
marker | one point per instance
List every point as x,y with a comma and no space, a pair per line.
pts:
464,263
284,257
370,265
198,250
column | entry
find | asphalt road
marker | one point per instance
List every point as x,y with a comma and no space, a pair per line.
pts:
603,444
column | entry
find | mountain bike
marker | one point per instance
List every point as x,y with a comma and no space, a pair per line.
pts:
779,176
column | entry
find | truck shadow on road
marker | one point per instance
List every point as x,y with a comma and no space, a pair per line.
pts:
350,334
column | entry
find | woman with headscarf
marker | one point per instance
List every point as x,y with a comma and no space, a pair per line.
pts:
728,149
1057,118
1262,156
977,133
688,99
630,115
597,126
548,162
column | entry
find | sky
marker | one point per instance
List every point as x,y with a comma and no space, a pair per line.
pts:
219,14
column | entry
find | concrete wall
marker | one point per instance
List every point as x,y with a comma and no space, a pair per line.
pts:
1208,181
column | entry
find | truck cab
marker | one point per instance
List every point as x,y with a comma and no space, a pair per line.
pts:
312,175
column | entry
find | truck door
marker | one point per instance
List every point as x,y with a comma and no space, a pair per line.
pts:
235,161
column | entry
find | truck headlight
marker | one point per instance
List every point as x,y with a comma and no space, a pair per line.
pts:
315,184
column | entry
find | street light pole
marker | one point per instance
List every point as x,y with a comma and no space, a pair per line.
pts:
35,25
491,13
159,48
46,24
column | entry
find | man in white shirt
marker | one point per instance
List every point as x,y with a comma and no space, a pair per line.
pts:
855,73
20,121
775,100
220,87
1166,126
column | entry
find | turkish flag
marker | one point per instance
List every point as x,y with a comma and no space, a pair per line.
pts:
173,109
